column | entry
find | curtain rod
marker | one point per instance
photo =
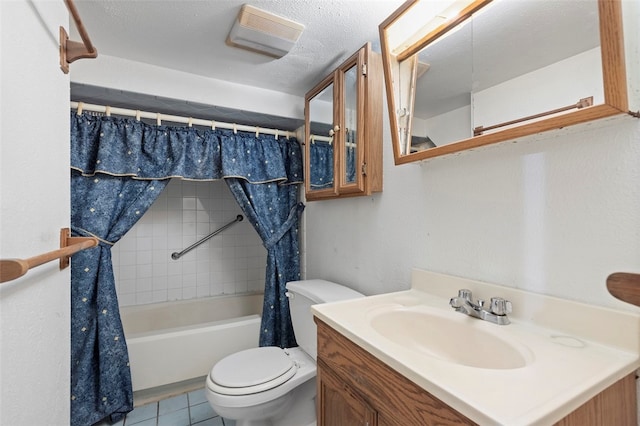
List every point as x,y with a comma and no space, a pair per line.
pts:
108,110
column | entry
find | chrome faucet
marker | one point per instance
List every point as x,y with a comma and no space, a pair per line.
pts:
497,312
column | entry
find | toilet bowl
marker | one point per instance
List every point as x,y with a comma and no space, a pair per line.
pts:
270,386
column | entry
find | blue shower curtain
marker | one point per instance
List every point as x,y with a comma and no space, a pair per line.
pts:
119,167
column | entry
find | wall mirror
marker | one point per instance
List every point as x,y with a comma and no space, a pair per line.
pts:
461,74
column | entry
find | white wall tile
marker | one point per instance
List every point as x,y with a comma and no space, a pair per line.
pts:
128,242
174,294
189,188
202,216
144,243
188,293
159,296
144,257
160,270
229,263
127,299
126,287
144,284
128,272
189,203
144,297
174,268
160,283
174,204
161,203
189,280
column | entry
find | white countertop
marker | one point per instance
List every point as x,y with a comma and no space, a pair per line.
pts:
573,351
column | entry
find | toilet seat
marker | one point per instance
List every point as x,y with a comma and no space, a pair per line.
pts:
252,371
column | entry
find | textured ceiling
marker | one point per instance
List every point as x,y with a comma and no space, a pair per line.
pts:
190,36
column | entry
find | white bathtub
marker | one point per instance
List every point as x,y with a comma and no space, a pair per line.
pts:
175,341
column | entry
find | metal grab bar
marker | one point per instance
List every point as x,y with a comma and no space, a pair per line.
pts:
176,255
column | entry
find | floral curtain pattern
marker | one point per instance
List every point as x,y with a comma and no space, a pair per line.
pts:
119,167
106,207
274,212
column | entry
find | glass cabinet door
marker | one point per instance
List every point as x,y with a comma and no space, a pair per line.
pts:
322,159
351,104
350,148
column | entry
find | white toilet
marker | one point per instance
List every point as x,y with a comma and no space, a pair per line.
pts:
270,386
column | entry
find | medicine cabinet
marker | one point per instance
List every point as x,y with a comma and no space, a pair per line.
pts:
483,71
343,125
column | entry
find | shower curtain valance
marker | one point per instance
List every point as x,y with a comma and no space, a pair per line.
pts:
127,147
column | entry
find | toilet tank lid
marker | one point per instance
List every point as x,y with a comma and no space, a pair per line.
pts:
321,291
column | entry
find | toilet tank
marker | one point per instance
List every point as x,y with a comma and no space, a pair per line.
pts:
303,294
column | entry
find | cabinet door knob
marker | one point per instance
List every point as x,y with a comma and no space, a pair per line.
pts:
335,129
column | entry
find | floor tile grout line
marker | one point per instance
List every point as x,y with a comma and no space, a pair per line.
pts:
190,404
189,409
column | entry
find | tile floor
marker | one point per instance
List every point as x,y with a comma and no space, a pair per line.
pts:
189,409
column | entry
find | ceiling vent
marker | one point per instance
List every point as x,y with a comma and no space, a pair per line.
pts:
264,32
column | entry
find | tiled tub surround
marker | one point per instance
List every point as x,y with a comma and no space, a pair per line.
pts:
232,262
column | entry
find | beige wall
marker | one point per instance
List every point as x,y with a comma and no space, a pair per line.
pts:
555,216
34,200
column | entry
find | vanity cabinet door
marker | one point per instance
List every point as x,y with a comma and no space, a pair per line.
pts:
343,130
339,404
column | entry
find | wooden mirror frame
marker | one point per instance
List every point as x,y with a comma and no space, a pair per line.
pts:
613,73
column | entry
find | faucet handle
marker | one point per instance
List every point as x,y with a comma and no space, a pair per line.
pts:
465,294
500,306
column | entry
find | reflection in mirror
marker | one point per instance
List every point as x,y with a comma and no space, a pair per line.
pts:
440,108
504,70
320,138
351,123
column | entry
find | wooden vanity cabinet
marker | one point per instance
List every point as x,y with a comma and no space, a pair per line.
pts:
355,388
343,130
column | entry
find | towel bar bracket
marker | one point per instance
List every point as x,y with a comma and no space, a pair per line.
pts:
72,50
67,240
10,269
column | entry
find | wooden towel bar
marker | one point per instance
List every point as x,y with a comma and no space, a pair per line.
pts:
10,269
582,103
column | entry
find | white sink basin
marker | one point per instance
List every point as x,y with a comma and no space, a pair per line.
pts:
450,336
554,356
